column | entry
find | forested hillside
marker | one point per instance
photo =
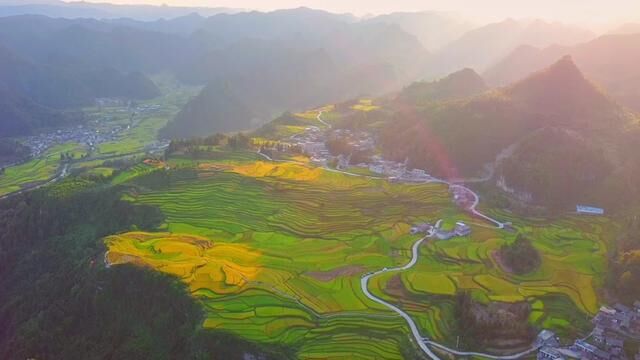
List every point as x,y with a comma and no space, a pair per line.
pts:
563,139
37,95
35,64
59,301
461,84
21,116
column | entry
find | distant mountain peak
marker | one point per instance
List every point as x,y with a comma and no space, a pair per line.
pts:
465,73
566,65
563,74
460,84
564,95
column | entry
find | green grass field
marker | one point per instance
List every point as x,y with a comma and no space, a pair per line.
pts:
132,141
365,105
146,126
275,253
37,170
135,139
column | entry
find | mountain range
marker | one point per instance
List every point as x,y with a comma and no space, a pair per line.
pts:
35,95
83,9
433,29
461,84
382,53
610,60
262,64
273,61
482,47
552,139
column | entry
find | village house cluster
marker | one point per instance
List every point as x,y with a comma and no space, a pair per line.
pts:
612,325
459,230
313,142
461,196
94,132
79,134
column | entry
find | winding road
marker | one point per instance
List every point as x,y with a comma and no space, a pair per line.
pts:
476,201
319,117
62,172
364,284
423,342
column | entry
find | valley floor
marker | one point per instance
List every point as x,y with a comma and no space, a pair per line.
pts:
282,251
275,252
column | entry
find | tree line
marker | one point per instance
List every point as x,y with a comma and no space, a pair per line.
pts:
199,145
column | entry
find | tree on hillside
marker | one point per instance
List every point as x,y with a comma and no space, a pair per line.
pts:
624,263
520,256
491,325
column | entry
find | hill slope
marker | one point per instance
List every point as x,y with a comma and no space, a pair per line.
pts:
461,138
275,61
433,29
292,60
482,47
458,85
610,60
21,116
64,85
218,103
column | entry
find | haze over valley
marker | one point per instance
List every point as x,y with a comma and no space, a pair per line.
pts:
201,180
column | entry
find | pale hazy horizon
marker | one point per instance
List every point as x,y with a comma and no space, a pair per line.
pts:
576,11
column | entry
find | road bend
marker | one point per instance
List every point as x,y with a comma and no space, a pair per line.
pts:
364,283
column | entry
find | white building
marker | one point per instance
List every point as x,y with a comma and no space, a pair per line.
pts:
589,210
462,229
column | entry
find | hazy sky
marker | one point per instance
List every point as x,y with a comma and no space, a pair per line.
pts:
592,11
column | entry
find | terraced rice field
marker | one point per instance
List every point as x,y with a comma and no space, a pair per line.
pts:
275,253
365,105
281,129
37,170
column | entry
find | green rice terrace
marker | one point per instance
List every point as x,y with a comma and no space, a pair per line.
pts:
37,171
139,136
275,253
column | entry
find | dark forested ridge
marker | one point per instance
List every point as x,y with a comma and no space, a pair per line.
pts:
536,169
560,140
20,115
473,131
37,95
60,302
54,80
459,85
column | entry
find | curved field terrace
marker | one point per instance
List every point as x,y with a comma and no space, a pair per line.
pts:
275,253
